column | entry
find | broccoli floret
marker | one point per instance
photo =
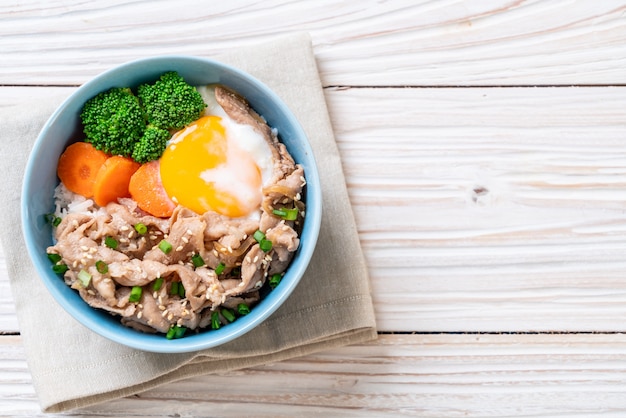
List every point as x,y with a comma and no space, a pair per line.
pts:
151,145
113,121
170,103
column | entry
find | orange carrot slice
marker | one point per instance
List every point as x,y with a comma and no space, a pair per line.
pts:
113,179
78,166
147,190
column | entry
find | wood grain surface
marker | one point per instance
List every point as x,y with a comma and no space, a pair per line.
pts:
483,148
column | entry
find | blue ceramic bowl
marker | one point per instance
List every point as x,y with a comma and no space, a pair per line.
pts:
64,127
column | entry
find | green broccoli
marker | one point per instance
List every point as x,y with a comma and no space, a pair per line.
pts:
113,121
170,103
151,145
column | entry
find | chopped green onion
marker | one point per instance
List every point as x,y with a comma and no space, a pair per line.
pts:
265,245
220,268
275,280
135,294
102,267
60,268
53,219
175,332
84,277
243,309
259,235
286,214
110,242
174,288
197,260
215,320
55,258
141,228
181,290
236,271
157,284
228,314
165,246
180,331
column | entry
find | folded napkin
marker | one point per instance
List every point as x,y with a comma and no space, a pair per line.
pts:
73,367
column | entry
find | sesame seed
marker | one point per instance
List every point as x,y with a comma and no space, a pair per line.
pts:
256,258
179,248
160,300
91,292
245,236
185,240
140,305
285,200
89,256
106,280
124,240
75,263
139,315
258,284
230,249
189,232
298,196
93,250
161,307
155,294
83,261
131,234
170,317
215,253
302,213
153,237
84,248
124,228
164,313
75,223
248,260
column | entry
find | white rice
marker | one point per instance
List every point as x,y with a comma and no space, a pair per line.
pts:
66,201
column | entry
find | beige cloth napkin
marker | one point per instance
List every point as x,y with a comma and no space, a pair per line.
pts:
73,367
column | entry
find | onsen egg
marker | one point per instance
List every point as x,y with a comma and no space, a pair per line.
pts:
216,164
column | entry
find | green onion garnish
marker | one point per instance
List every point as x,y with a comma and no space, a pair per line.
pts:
265,245
228,314
175,332
60,268
259,235
141,228
165,246
286,214
236,271
243,309
220,268
275,280
55,258
110,242
135,294
84,277
102,267
53,219
157,284
197,260
181,290
174,288
215,320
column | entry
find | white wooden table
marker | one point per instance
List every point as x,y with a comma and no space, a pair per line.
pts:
484,147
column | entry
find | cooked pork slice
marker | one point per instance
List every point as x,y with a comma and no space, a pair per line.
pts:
186,236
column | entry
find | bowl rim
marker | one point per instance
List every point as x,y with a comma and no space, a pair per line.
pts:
227,333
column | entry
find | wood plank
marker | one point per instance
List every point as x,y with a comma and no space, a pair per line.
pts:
468,375
451,42
483,209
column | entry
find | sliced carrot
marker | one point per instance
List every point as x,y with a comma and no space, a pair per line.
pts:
113,178
147,190
78,166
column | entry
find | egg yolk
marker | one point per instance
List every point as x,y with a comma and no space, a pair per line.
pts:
204,169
